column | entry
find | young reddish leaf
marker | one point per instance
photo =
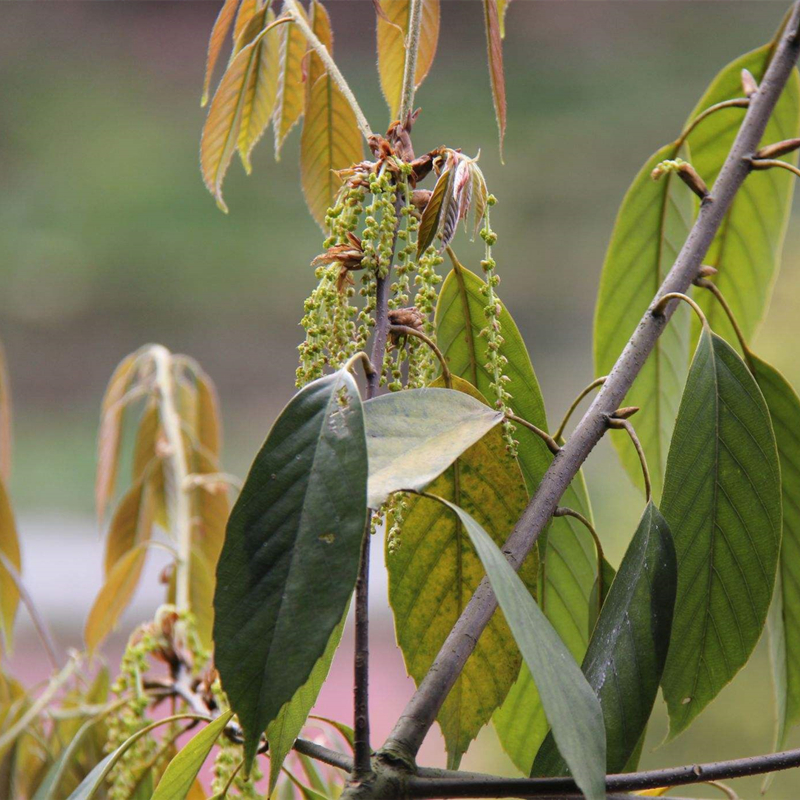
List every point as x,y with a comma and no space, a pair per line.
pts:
221,130
429,224
494,45
291,92
392,32
246,11
110,430
131,524
330,141
218,33
9,547
209,427
113,597
5,419
261,93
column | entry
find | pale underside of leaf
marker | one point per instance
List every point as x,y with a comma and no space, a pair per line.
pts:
435,570
392,31
218,33
652,225
330,141
723,505
748,245
290,97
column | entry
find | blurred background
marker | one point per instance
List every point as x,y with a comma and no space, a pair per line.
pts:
109,240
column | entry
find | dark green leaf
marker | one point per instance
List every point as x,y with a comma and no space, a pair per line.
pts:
722,501
652,225
629,645
290,558
178,778
572,708
413,436
784,619
747,248
434,571
599,593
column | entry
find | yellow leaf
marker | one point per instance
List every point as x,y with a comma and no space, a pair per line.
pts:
131,524
218,33
321,25
114,597
330,141
262,91
209,427
9,547
210,512
392,32
290,93
502,7
110,430
654,792
245,13
494,47
221,130
5,419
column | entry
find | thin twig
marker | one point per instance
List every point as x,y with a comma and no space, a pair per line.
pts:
405,330
410,66
300,20
660,305
625,424
575,403
769,163
738,102
569,512
543,435
704,283
421,711
38,620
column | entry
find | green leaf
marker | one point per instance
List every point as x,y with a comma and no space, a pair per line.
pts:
629,645
599,593
413,436
571,706
747,248
569,564
652,225
290,558
284,730
784,619
180,774
722,500
434,571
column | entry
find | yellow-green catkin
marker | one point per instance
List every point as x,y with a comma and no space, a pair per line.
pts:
422,363
496,361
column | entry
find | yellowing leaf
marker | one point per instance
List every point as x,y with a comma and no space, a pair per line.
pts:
208,418
392,32
110,430
260,95
5,419
218,33
9,547
114,597
131,524
502,8
290,93
494,46
246,11
330,141
321,25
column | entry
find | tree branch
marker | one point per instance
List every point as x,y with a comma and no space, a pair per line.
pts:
455,784
423,707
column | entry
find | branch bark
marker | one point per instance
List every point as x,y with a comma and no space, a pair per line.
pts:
421,711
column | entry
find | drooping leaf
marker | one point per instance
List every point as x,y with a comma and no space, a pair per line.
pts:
567,552
285,728
223,124
5,419
218,33
652,225
722,501
244,14
629,645
290,558
494,48
114,596
260,94
330,141
392,32
784,619
209,426
413,436
432,214
289,100
434,571
571,706
9,547
110,430
320,23
131,524
177,780
747,247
